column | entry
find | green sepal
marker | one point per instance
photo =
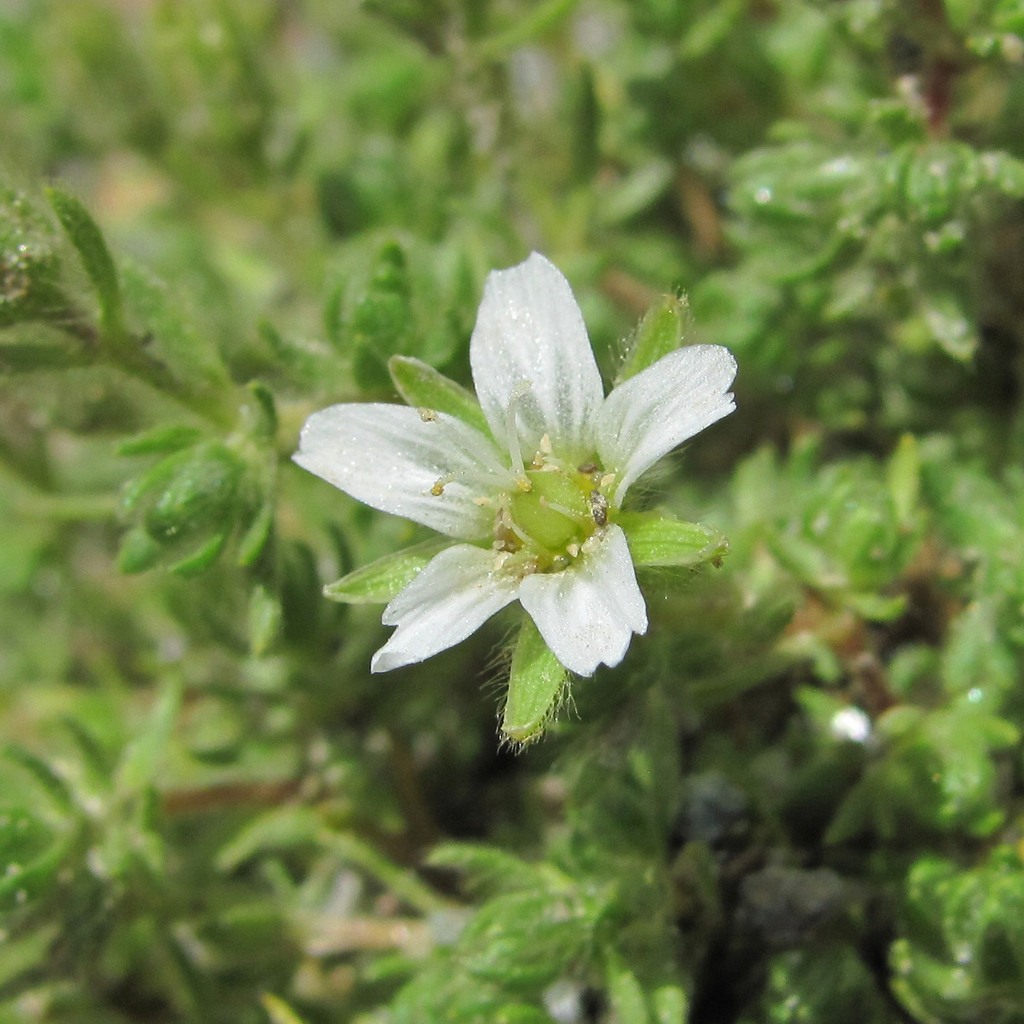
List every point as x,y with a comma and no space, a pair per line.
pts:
426,388
658,540
161,440
202,494
534,687
139,552
255,538
155,476
661,331
265,617
381,580
202,558
87,238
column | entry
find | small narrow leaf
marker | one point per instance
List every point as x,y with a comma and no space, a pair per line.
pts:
143,756
138,552
87,238
256,536
424,387
655,539
903,475
281,828
278,1010
264,619
626,996
534,687
203,556
670,1005
381,580
160,440
47,779
661,331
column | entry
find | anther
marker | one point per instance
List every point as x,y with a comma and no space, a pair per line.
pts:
440,484
427,415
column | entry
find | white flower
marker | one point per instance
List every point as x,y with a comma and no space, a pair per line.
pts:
535,500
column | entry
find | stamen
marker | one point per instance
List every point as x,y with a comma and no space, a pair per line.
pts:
512,436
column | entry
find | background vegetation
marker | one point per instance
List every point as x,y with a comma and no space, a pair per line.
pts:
798,799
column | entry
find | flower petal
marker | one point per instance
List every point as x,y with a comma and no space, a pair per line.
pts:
390,456
454,595
647,416
588,613
530,346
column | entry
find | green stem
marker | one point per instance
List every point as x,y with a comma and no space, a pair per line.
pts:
401,882
131,359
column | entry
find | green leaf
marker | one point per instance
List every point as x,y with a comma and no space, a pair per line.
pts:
381,580
382,318
158,307
29,268
903,475
535,685
255,538
87,238
626,995
279,829
143,755
525,940
264,619
160,440
422,386
138,552
655,539
661,331
202,557
670,1005
48,780
278,1010
489,869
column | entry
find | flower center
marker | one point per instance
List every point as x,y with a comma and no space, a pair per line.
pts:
554,512
542,525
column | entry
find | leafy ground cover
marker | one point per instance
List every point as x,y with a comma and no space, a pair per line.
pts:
798,797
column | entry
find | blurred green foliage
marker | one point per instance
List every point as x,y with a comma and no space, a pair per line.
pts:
798,800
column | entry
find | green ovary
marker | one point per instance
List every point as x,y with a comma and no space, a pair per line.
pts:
552,528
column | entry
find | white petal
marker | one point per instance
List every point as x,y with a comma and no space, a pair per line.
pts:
454,595
647,416
389,457
588,613
530,341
